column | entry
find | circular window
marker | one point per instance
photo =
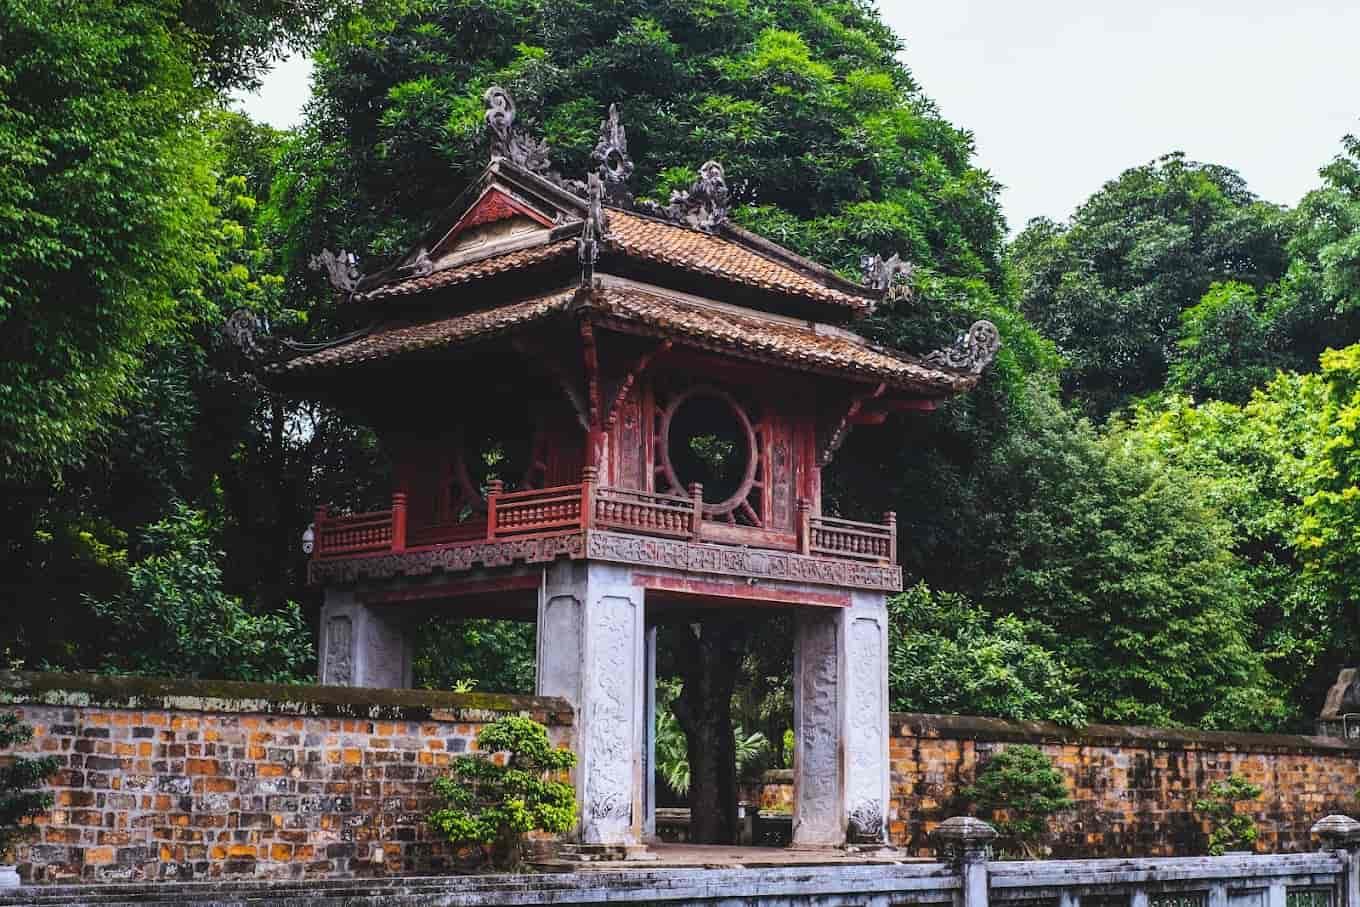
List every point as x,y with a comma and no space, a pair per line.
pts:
707,438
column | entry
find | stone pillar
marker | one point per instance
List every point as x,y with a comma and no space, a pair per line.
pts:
840,714
818,817
1341,834
967,843
362,645
591,651
649,735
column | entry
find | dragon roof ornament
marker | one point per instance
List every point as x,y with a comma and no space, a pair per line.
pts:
704,205
511,143
881,275
972,351
611,159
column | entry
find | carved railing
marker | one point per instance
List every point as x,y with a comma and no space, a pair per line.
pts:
832,537
649,514
519,513
570,508
356,533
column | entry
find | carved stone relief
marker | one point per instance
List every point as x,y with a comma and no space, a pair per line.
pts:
867,723
817,778
339,667
611,712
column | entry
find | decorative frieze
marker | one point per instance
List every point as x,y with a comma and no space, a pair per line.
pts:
619,547
738,561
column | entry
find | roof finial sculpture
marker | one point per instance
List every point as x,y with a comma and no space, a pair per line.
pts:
971,352
341,268
593,229
508,142
880,274
611,159
704,206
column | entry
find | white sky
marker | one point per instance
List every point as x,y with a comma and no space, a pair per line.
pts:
1062,95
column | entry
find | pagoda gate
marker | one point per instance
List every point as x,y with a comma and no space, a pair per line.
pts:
604,414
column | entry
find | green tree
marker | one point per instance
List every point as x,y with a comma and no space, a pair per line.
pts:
1110,286
1251,461
1020,790
174,620
493,803
1224,349
19,802
1131,569
1229,829
949,655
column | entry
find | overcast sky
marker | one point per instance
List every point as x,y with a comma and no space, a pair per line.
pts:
1063,94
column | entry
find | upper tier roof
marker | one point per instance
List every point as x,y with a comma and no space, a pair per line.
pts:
547,220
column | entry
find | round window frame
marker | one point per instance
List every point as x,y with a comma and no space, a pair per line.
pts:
733,501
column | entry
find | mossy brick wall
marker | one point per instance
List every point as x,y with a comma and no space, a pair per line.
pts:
208,780
1134,787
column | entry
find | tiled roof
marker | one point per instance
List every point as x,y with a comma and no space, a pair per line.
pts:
695,250
652,240
388,342
780,340
485,267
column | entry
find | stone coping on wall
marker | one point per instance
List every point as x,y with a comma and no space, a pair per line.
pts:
305,700
1000,730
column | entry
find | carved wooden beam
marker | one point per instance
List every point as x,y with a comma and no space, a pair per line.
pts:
639,367
569,383
831,442
590,361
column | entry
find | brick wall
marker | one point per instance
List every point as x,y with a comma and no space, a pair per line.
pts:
1134,787
208,780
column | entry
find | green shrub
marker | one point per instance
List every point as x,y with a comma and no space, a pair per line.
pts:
1227,829
1019,788
494,804
18,801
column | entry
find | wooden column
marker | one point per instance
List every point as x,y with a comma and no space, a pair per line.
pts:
804,525
398,521
590,477
493,492
696,494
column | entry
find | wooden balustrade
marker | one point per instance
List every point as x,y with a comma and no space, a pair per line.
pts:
852,539
357,533
645,513
520,513
568,508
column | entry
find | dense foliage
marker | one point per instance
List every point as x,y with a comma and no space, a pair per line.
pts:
1185,562
495,803
20,801
174,620
948,655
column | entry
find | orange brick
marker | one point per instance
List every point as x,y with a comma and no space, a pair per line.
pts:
240,850
353,757
281,852
98,856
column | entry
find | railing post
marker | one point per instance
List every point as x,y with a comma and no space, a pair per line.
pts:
318,529
590,477
493,492
696,496
804,525
398,521
890,518
968,843
1341,834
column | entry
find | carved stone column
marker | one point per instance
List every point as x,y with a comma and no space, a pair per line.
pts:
840,713
865,716
818,817
362,645
591,651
